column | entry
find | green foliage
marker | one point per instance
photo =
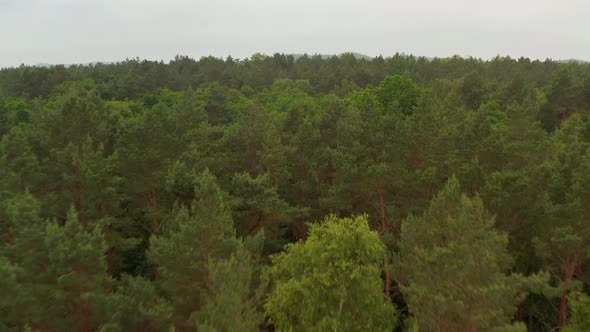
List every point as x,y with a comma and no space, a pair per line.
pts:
452,266
136,305
77,272
234,303
208,274
193,237
396,91
257,205
580,313
109,220
473,90
13,293
331,281
563,242
59,270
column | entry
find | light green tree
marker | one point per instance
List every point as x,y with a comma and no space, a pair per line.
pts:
331,281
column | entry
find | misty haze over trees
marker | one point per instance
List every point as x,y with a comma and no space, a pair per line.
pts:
296,193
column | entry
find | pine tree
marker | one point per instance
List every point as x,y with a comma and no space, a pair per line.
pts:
77,272
580,312
135,305
13,295
195,236
564,241
149,143
452,266
372,156
237,291
258,205
60,270
19,165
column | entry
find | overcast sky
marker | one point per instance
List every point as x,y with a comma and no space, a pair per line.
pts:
81,31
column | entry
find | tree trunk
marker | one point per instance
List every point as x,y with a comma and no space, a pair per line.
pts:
85,318
519,313
256,226
302,229
563,303
110,251
563,308
471,328
77,191
384,227
250,160
110,262
7,234
155,221
387,281
331,171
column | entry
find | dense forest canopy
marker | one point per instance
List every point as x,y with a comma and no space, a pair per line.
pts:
296,194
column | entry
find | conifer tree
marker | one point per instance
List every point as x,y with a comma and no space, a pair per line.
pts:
60,270
194,237
258,205
453,265
77,274
564,241
580,313
24,260
238,286
135,305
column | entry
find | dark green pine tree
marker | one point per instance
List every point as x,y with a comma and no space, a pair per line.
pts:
13,295
77,274
238,286
196,249
23,256
136,305
580,313
19,165
257,205
452,266
372,157
60,270
149,143
563,242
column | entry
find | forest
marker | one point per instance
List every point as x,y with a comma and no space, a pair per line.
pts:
296,193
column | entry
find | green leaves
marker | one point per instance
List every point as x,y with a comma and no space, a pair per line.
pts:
291,139
238,287
331,280
398,92
580,312
452,265
135,305
206,272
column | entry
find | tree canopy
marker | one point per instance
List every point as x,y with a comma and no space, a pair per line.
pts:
285,192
